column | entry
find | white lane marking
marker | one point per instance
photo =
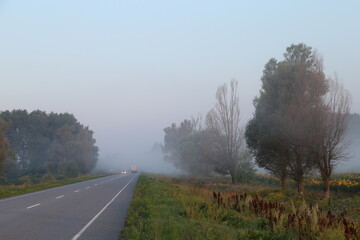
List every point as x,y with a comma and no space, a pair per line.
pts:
77,190
99,213
42,191
87,187
33,206
59,196
95,184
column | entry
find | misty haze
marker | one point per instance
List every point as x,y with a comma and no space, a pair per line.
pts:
179,120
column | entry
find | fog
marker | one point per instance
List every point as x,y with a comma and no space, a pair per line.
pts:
352,140
130,69
151,161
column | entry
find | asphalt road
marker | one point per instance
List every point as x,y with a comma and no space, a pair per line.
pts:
95,209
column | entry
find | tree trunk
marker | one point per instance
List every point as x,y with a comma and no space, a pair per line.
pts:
327,188
301,186
233,176
283,183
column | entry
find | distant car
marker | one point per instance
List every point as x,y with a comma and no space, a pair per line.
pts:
133,169
123,172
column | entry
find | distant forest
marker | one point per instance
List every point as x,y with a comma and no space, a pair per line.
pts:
40,146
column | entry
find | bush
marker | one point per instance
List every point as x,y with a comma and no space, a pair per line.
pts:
47,177
246,171
25,179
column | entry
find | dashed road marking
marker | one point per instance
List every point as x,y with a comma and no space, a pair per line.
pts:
33,206
87,187
59,196
99,213
38,192
77,190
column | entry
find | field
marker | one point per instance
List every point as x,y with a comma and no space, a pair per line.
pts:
192,208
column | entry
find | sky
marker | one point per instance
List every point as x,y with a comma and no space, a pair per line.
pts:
128,69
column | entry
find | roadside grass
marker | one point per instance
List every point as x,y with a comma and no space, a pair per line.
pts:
163,208
14,190
185,208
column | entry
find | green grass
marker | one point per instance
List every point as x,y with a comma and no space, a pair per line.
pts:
184,208
163,209
14,190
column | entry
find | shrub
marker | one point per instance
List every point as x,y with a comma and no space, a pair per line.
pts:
47,177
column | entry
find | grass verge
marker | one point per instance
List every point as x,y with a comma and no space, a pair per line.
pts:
173,208
14,190
163,209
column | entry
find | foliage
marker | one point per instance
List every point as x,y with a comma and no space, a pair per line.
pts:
345,183
163,208
196,152
173,136
245,170
262,130
33,138
190,149
47,177
218,148
72,152
278,132
300,118
174,208
4,144
303,223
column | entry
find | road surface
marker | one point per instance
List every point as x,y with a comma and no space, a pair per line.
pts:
95,209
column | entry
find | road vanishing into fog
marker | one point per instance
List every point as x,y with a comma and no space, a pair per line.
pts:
94,209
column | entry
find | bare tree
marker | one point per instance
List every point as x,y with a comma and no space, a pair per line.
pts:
333,120
197,122
224,119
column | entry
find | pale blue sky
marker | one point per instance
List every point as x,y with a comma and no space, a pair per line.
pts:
130,68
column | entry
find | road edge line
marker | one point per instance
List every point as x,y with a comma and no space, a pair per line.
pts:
101,211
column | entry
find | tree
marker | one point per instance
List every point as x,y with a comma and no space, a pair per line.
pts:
4,144
18,137
330,147
173,136
245,170
279,135
72,152
196,153
88,156
302,99
224,120
262,130
32,136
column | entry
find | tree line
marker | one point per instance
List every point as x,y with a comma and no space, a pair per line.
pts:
38,144
298,127
218,147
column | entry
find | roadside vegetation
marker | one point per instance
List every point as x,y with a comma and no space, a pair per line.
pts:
14,190
209,208
299,126
300,132
35,145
